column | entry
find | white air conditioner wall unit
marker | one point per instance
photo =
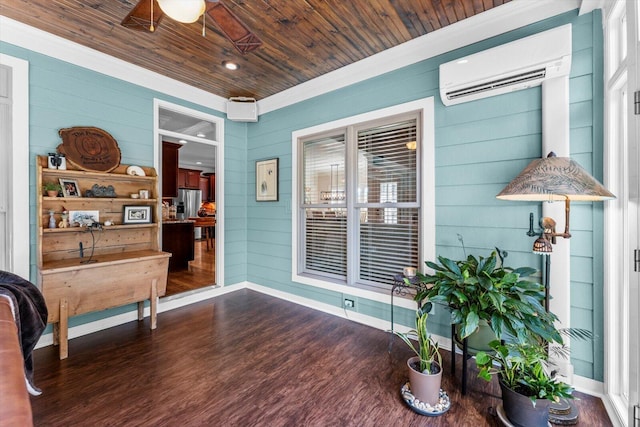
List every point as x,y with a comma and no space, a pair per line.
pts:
242,109
512,66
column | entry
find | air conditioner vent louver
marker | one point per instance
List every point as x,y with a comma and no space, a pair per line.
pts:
520,64
507,81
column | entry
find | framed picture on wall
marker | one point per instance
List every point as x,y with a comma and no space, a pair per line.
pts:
267,180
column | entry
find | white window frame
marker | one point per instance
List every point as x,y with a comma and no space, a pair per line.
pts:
619,78
425,107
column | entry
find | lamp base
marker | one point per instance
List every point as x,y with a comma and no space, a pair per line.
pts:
563,413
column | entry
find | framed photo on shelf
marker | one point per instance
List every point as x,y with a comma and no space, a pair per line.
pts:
137,215
83,218
267,180
70,187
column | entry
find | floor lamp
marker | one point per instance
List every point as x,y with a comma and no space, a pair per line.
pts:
553,179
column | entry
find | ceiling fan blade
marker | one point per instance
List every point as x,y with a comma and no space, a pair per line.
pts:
140,16
234,29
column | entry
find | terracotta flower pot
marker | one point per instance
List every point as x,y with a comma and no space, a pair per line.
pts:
520,410
424,387
52,193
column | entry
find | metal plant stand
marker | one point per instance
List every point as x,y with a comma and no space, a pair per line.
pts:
402,288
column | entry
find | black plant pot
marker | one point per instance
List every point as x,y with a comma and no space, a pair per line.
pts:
520,410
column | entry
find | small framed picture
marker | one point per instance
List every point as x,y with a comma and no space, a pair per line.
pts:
137,215
70,187
267,180
83,218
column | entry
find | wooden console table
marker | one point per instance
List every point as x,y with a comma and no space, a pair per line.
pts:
71,288
110,260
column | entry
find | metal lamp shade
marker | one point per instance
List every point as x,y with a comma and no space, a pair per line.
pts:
555,179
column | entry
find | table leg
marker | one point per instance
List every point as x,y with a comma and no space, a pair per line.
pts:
56,333
63,328
153,303
140,310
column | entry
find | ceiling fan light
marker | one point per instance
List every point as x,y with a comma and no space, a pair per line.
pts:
186,11
230,65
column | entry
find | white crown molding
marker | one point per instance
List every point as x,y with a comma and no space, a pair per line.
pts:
498,20
39,41
587,6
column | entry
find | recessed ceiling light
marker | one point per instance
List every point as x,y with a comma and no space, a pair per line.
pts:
182,141
198,163
462,61
230,65
200,135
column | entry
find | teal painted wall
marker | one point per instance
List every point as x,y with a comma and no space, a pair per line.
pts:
64,95
480,147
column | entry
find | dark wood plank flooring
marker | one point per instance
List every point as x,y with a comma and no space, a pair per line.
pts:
247,359
201,272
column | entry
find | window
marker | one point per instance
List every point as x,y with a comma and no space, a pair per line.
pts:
621,53
359,216
389,194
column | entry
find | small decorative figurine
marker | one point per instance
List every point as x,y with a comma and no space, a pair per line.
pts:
52,220
65,220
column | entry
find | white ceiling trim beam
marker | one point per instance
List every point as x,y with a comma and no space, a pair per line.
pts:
495,21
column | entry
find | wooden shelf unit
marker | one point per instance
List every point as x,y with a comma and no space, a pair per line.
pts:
122,263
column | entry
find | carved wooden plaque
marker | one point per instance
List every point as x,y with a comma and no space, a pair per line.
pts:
89,148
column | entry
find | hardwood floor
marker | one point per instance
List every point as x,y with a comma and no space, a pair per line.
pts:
247,359
201,272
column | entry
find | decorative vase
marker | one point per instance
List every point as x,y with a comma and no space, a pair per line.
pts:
52,220
424,387
520,410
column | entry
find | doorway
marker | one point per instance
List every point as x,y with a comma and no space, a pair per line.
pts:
197,140
14,164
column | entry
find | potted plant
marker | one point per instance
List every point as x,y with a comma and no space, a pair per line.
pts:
51,188
527,387
478,291
425,369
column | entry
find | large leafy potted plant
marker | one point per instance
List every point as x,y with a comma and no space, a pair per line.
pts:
425,369
481,290
527,387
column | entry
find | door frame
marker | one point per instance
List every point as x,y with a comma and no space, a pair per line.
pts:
621,236
17,175
219,144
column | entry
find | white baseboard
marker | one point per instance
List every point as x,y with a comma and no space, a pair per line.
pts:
165,304
581,384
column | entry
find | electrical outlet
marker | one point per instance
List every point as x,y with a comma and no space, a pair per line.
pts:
349,303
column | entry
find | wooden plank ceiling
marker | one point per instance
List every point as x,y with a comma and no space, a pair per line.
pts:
302,39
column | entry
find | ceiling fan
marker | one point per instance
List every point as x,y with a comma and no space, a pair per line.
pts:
147,14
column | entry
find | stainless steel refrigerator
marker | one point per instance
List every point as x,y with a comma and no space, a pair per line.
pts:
191,200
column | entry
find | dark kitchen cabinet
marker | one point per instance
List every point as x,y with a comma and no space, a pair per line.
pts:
189,178
204,188
170,169
208,180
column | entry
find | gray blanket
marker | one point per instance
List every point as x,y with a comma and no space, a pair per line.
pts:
30,313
